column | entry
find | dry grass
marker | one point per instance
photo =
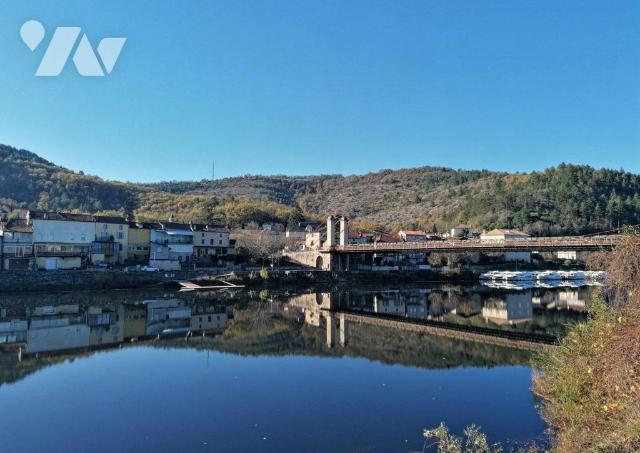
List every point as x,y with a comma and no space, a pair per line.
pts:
591,382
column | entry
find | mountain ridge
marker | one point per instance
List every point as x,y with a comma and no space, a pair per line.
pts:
565,199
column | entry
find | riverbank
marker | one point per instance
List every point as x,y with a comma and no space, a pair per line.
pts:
20,282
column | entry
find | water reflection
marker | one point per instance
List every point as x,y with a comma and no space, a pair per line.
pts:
67,326
241,359
54,328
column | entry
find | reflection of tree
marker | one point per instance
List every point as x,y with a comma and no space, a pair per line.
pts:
440,303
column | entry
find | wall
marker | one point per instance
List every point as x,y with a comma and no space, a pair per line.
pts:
67,232
63,263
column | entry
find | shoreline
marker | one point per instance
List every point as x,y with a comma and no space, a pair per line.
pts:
69,281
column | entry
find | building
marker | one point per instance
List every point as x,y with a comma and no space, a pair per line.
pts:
462,231
111,241
170,245
61,240
16,245
211,243
503,235
412,235
139,241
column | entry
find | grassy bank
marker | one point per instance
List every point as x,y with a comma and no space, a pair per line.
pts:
590,384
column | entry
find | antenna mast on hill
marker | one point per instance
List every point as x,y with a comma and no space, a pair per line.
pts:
213,170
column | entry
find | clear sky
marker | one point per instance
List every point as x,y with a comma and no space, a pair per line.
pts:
331,86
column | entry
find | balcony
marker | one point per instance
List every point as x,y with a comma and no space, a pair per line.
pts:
61,250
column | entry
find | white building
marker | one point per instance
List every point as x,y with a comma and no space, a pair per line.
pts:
61,240
462,231
171,245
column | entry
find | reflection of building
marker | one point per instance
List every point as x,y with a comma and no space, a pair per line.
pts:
105,326
134,318
167,316
209,317
57,328
13,330
417,309
573,299
513,309
389,304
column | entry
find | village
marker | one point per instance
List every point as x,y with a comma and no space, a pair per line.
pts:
48,240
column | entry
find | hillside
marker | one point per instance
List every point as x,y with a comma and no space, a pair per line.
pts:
563,200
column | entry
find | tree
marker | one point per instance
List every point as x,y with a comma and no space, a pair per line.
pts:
295,218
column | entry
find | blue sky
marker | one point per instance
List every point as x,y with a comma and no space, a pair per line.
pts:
332,86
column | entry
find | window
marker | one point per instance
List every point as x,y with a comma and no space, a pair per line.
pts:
209,319
220,242
105,227
120,235
120,227
210,241
202,241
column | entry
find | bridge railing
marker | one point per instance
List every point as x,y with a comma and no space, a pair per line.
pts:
524,244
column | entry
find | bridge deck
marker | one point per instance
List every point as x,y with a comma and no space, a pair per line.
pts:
595,243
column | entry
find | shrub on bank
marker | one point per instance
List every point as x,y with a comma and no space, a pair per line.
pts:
590,383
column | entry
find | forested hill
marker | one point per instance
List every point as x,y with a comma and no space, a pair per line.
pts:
566,199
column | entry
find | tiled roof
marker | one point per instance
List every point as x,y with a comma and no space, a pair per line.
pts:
60,216
111,219
16,226
500,232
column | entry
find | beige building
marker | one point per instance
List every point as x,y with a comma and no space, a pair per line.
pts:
211,243
111,242
412,235
504,235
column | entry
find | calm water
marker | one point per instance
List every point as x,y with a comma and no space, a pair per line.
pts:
270,374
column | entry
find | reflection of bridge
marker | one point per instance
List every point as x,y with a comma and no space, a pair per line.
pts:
325,310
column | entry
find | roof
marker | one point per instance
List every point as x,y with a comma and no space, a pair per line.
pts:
210,227
174,226
60,216
145,225
72,217
462,227
501,232
111,219
413,232
16,226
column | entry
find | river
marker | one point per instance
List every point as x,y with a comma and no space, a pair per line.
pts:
247,371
